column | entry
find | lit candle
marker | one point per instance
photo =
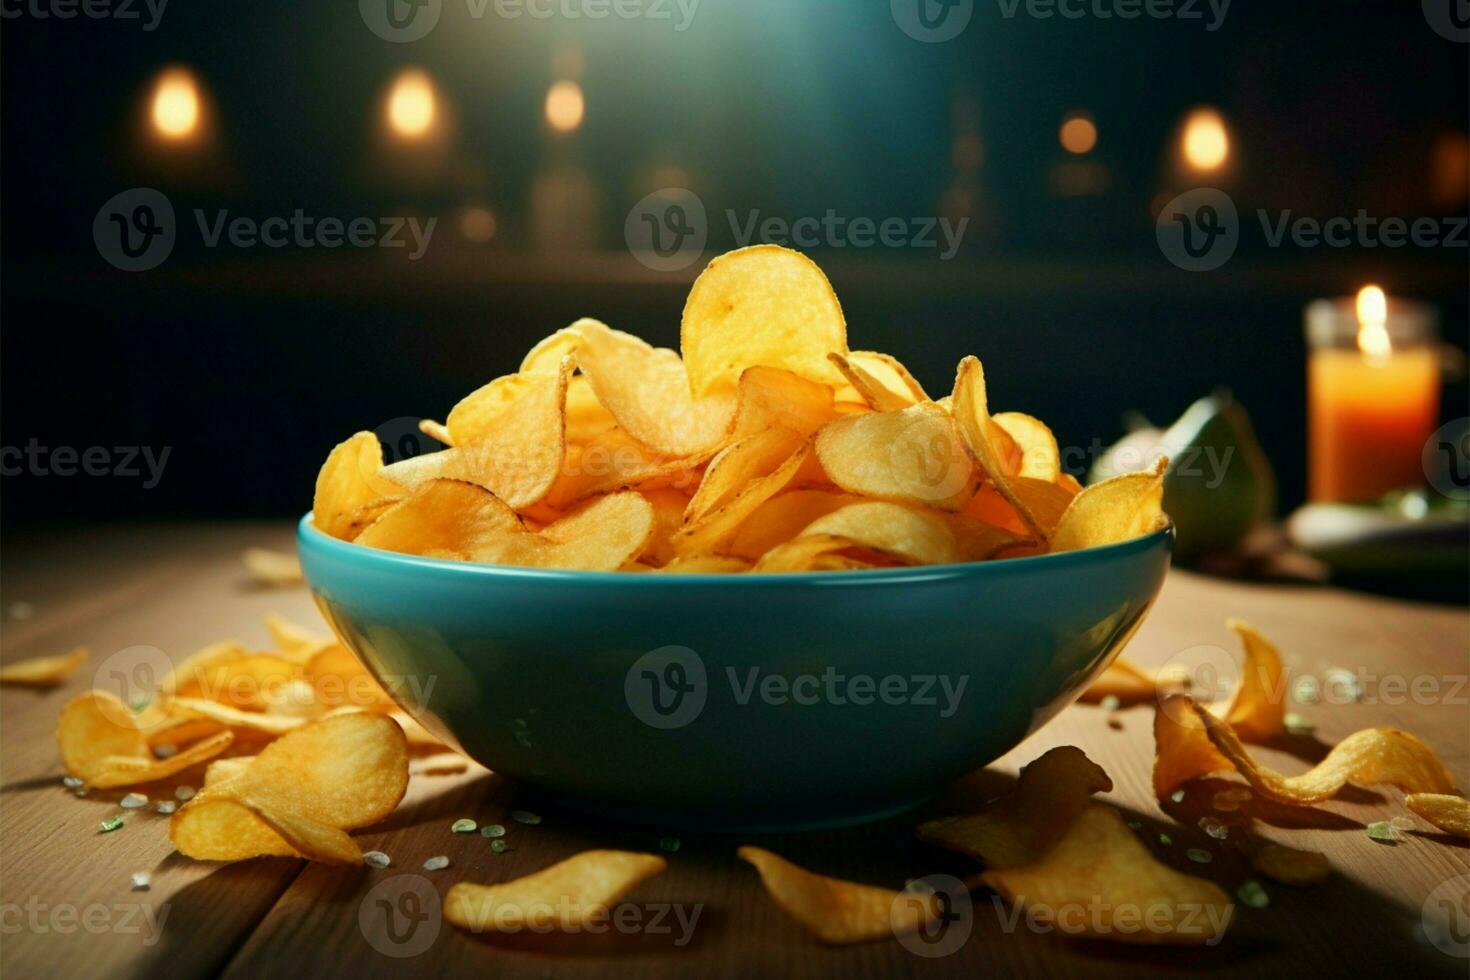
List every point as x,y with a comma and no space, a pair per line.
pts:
1372,395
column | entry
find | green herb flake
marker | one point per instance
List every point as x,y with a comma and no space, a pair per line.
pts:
492,830
525,816
1297,725
499,846
463,825
1383,830
1177,796
1253,895
1199,855
670,844
1110,703
111,824
1166,840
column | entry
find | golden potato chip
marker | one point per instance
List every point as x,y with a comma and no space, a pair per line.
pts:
518,458
613,460
437,431
761,306
712,532
818,553
1100,881
568,896
648,391
272,568
782,518
889,371
910,456
293,641
340,680
988,442
905,533
602,536
478,415
1449,813
1040,457
770,396
342,772
349,484
1291,866
705,565
1124,680
874,393
444,516
1259,708
840,912
250,682
44,671
102,743
1365,758
743,461
200,664
222,769
1120,509
1046,503
668,516
979,541
1018,828
231,717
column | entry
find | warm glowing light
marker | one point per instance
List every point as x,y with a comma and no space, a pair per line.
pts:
176,105
411,107
1078,133
1205,143
565,106
1372,309
477,224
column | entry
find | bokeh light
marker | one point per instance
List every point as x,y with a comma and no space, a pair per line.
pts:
175,106
411,104
565,106
1078,133
1205,142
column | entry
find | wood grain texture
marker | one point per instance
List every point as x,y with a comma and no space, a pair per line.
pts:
177,588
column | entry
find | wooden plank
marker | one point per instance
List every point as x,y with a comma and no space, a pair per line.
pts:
68,903
278,915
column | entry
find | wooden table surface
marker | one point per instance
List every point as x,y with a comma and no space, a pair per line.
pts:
67,907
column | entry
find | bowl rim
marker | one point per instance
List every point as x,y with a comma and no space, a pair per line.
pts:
308,535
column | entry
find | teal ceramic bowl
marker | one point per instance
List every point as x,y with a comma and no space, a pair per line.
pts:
736,702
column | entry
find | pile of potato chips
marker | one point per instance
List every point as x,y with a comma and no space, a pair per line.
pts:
769,447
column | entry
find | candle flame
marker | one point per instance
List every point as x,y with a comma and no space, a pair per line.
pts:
1372,309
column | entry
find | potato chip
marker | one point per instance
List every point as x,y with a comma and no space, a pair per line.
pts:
568,896
44,671
1018,828
840,912
1120,509
437,431
478,415
904,533
602,536
1291,866
740,463
910,456
293,641
1259,709
782,518
250,682
349,485
272,568
1046,503
1100,881
889,371
1040,457
222,769
340,680
518,458
234,718
818,553
770,396
1449,813
712,532
342,772
705,565
612,460
1365,758
668,506
874,393
761,306
990,444
1124,680
648,391
101,742
444,516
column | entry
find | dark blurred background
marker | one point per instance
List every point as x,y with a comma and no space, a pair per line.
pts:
530,140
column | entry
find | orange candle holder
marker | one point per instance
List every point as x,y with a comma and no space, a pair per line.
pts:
1373,386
